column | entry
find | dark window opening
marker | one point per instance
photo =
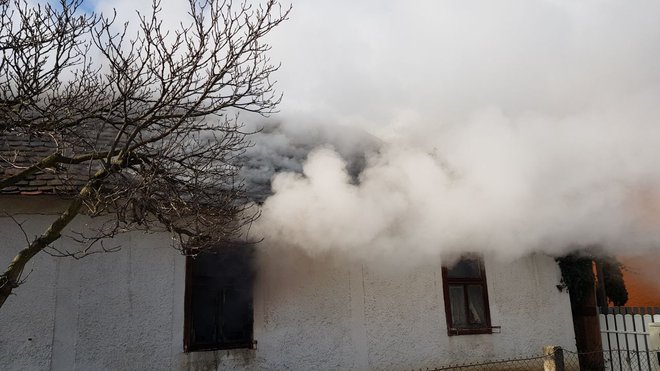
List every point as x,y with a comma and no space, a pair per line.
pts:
219,288
466,297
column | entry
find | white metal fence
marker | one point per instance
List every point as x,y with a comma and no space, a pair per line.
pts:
624,333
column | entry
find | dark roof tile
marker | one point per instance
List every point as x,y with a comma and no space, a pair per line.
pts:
18,152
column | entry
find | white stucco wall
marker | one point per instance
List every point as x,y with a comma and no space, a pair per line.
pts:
124,311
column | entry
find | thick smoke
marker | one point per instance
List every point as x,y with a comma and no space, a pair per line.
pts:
507,127
283,148
426,128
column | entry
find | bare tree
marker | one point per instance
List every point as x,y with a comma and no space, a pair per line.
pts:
142,129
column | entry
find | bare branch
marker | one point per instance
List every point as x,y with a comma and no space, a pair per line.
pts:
146,135
20,227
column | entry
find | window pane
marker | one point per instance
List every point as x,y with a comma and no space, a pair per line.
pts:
236,315
465,268
204,315
457,302
476,308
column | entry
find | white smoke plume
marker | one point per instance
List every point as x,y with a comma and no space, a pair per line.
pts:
425,128
503,127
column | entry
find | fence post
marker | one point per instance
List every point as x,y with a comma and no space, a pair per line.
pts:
554,358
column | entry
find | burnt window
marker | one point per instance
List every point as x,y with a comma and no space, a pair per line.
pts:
218,313
466,297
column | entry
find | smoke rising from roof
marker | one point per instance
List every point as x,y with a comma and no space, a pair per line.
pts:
424,128
507,127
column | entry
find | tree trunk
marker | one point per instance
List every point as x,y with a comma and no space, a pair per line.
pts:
587,331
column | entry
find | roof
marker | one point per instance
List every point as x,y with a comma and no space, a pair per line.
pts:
19,151
277,148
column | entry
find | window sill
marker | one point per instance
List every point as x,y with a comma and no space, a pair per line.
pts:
474,331
211,348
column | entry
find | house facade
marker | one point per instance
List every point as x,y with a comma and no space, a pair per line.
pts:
133,310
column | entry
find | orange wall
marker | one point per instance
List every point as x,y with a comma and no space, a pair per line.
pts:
642,277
